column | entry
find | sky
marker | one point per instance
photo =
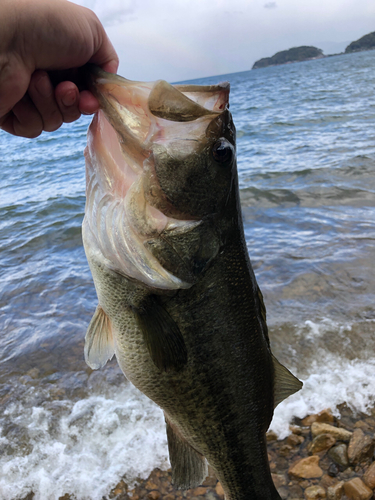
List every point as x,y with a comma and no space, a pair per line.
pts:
178,40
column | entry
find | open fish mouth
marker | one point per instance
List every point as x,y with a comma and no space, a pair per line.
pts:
128,199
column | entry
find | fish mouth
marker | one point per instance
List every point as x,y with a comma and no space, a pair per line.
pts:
133,108
122,184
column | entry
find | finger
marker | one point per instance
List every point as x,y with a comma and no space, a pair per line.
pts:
105,55
67,98
42,94
14,80
24,120
88,104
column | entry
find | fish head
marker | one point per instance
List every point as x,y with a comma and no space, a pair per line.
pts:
158,156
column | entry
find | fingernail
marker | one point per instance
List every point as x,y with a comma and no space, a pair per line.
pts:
69,98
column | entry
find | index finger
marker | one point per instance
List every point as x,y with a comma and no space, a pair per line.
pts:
105,55
14,82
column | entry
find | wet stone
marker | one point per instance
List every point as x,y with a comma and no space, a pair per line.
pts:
295,429
361,447
335,492
362,425
325,416
347,474
315,493
337,432
309,420
355,489
333,470
306,468
284,450
295,440
281,463
154,495
339,455
278,480
295,491
271,436
322,442
283,492
199,491
369,476
328,481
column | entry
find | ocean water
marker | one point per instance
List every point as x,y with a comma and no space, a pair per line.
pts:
306,160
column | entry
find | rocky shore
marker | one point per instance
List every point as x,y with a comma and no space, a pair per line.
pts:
324,457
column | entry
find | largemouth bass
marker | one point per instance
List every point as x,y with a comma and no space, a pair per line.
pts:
179,304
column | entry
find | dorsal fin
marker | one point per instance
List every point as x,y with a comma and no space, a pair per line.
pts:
165,101
285,383
99,346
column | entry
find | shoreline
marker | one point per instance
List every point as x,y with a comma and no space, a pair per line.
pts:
322,457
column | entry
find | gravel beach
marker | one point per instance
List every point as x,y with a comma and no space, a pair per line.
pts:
323,457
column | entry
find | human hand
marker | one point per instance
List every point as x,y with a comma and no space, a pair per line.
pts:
38,36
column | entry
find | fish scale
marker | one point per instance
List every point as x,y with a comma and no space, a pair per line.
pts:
200,350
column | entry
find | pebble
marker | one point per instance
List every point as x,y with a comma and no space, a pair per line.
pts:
154,495
340,455
306,468
337,432
311,477
335,492
278,480
325,416
328,481
322,442
295,440
295,429
369,476
271,436
355,489
315,492
333,470
361,447
309,420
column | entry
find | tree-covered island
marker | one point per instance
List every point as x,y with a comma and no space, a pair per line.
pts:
295,54
367,42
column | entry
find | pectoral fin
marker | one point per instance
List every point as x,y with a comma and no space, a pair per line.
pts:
189,468
163,338
285,383
99,347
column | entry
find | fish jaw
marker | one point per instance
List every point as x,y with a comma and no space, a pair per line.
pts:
129,199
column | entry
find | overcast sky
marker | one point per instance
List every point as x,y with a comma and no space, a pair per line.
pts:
184,39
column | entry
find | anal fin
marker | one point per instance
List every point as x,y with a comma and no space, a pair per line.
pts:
285,383
99,346
189,468
162,336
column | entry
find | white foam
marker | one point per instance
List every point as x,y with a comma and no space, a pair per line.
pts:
85,448
331,381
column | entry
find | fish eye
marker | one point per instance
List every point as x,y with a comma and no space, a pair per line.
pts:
222,151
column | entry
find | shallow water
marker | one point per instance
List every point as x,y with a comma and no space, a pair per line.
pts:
306,158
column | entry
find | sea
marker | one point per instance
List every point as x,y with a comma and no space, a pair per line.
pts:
306,162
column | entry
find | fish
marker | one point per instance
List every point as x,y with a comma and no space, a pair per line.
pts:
178,302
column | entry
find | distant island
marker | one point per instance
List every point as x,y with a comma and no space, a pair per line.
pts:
306,53
367,42
296,54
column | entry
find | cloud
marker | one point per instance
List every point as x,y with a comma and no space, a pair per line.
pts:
270,5
111,12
